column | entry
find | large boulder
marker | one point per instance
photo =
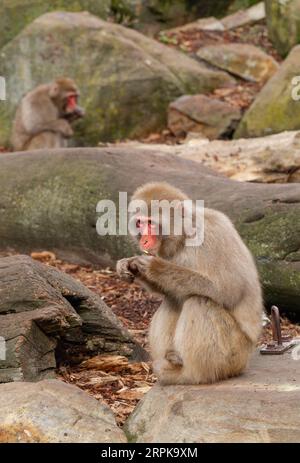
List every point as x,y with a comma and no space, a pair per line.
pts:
51,411
209,117
276,107
126,79
47,315
261,406
16,14
243,60
283,20
49,199
151,16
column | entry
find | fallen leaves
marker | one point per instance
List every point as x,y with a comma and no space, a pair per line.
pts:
190,40
112,379
107,362
43,256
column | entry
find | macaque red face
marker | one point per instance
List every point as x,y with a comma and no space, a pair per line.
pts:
65,94
71,102
71,109
148,235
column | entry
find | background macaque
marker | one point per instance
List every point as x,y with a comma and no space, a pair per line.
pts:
44,115
210,317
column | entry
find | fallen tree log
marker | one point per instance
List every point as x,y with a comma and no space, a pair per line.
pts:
45,315
49,200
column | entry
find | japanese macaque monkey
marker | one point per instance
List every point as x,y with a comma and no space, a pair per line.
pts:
44,115
210,317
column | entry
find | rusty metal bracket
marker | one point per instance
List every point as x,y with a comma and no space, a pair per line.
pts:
280,343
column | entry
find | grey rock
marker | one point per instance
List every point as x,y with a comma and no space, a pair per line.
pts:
242,60
209,117
261,406
243,17
283,21
51,411
276,107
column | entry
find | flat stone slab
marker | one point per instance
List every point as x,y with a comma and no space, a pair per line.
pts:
200,114
52,411
242,60
242,17
262,405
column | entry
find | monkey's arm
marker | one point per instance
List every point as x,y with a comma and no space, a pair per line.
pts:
128,271
57,126
172,279
41,115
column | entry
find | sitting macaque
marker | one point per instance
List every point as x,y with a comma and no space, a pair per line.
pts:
44,115
210,317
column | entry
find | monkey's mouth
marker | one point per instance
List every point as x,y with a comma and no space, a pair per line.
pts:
147,242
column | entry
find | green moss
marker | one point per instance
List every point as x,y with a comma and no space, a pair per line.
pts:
16,14
274,109
274,236
280,283
272,240
141,428
61,208
283,20
131,438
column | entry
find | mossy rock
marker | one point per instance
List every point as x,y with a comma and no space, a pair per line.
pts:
49,201
126,79
241,5
16,14
283,20
277,107
151,16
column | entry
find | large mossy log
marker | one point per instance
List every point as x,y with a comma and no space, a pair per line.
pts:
48,201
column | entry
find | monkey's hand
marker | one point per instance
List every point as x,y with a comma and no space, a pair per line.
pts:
125,270
140,266
64,128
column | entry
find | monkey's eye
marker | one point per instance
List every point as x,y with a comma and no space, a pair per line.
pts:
138,223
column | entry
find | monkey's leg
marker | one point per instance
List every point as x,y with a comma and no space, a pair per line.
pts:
46,140
210,343
162,329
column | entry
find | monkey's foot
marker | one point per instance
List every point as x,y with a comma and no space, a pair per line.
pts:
174,358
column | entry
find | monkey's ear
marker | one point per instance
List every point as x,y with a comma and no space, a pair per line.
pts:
53,90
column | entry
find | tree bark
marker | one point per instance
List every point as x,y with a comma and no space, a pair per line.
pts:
45,315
